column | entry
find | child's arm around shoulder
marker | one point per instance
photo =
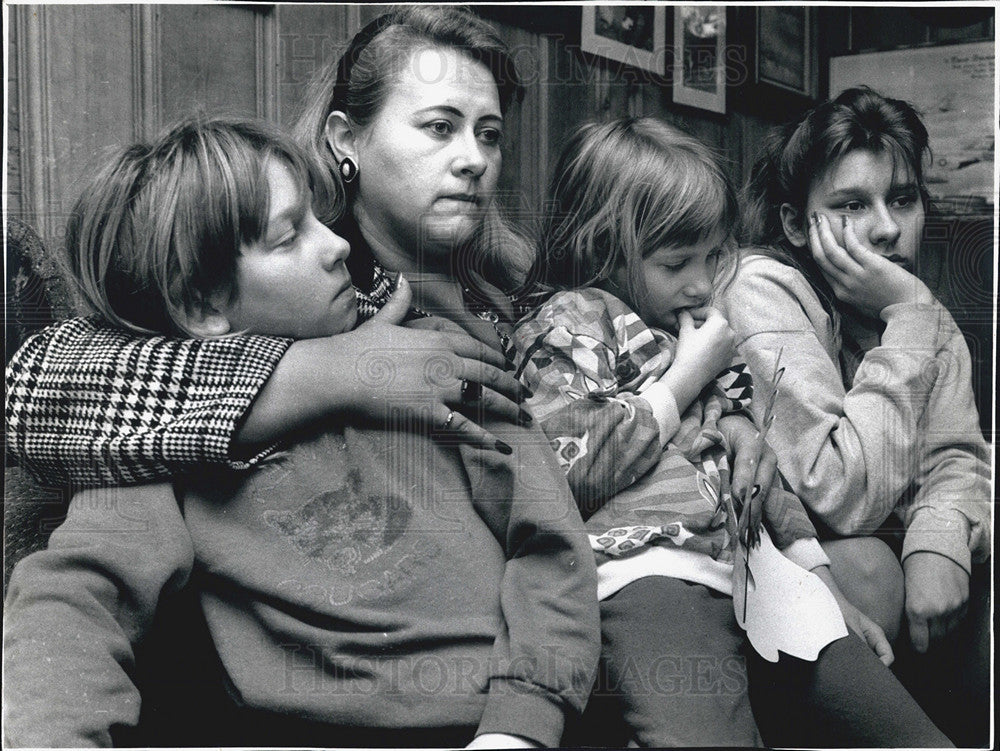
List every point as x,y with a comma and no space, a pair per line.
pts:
89,404
74,611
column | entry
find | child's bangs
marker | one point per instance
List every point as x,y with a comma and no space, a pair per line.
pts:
690,203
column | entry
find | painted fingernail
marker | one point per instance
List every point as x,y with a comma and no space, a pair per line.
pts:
527,393
755,491
814,218
504,448
524,418
843,222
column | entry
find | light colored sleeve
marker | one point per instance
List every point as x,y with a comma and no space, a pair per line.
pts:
950,512
74,611
848,455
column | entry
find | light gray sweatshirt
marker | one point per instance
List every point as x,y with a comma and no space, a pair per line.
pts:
903,435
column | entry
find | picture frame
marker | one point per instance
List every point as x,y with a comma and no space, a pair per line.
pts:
631,34
699,64
784,49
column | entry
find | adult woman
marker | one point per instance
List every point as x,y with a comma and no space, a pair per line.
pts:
247,391
875,414
383,83
411,119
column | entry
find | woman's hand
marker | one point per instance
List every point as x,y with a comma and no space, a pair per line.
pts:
703,351
749,471
937,593
857,621
859,277
387,373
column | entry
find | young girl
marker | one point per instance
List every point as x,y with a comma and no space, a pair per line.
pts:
623,381
876,423
345,603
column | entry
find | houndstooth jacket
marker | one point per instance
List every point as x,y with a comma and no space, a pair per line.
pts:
89,404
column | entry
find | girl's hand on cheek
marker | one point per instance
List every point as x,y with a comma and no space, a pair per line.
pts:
859,277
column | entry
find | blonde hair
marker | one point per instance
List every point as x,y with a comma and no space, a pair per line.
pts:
620,191
161,227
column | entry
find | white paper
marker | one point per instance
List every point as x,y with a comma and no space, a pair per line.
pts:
788,609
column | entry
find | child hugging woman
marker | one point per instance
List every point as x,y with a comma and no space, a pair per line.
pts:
631,372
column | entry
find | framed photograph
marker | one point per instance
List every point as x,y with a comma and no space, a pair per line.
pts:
631,34
699,65
785,55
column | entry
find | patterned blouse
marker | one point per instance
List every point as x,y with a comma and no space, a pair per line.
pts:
588,358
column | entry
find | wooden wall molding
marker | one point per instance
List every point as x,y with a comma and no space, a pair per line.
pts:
35,123
266,45
146,96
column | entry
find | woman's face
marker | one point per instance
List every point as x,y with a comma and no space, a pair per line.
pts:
430,159
885,208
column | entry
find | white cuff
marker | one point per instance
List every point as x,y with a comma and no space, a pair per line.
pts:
806,552
664,405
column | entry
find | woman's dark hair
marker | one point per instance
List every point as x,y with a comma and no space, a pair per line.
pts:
799,153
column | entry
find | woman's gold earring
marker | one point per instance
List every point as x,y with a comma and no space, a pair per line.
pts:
348,169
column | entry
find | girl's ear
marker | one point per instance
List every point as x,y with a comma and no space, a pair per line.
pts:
208,317
340,137
793,225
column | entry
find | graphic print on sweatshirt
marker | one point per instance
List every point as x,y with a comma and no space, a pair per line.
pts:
328,508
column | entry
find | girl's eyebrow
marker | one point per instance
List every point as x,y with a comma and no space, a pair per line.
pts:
847,192
858,190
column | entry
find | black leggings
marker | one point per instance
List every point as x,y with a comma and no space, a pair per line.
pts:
677,666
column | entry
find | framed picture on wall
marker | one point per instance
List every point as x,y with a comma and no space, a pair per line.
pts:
699,65
785,55
630,34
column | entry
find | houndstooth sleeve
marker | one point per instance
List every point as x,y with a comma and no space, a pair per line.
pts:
87,404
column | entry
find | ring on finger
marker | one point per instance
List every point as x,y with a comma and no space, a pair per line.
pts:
471,391
448,420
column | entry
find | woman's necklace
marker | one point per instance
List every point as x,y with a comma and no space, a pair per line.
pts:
384,285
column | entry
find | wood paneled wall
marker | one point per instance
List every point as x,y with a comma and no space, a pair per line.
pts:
86,79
